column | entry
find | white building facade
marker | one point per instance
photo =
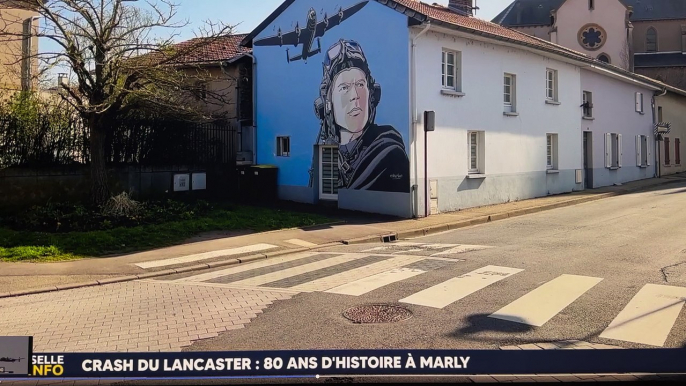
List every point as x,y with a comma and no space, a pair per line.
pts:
618,128
516,117
495,143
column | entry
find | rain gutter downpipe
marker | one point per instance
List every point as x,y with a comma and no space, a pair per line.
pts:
415,119
254,107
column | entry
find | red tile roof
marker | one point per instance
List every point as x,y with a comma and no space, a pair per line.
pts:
476,26
479,26
202,50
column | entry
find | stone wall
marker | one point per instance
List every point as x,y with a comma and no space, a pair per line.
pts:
23,187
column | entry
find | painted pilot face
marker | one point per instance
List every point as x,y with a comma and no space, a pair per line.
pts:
350,99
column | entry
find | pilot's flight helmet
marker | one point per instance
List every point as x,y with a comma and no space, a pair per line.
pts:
341,56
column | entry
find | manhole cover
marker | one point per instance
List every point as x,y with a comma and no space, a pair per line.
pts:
377,313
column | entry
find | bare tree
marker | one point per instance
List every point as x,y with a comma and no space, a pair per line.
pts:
118,63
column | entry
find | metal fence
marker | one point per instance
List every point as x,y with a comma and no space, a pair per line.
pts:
135,142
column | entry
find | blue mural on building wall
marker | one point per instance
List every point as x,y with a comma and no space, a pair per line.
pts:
347,97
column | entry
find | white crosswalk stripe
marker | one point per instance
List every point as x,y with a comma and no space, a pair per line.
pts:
301,243
542,304
647,319
290,272
206,256
244,268
371,283
649,316
408,247
448,292
462,249
336,280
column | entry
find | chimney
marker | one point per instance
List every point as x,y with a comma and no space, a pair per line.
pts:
462,7
62,79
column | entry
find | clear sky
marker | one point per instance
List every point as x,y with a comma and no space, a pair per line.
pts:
249,13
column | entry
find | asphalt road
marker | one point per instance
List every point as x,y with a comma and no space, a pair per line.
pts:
624,247
627,241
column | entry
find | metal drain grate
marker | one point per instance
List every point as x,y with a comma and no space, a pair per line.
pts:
377,313
389,238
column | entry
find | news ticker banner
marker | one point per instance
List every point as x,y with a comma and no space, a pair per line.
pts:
356,363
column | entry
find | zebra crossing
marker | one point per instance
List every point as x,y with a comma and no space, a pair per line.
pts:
427,249
647,319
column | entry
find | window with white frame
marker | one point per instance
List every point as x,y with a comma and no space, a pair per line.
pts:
450,70
475,139
510,93
613,150
551,85
642,151
283,146
639,102
587,104
551,151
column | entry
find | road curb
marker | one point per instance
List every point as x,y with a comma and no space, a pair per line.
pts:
360,240
166,272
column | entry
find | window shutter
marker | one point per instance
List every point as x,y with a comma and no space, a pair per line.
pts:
677,151
639,102
667,160
650,152
638,150
608,150
619,150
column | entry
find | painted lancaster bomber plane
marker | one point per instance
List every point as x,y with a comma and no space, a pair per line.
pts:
313,30
5,359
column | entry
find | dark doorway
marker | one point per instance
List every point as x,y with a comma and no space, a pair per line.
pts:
588,159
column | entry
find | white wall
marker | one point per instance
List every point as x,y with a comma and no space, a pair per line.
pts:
609,14
614,111
673,107
515,150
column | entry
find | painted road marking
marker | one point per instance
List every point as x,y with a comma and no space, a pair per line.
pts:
462,249
220,285
649,316
396,244
246,267
542,304
301,243
286,273
236,277
438,246
342,278
457,288
206,256
371,283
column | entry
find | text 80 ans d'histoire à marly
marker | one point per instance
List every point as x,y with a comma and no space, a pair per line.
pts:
276,363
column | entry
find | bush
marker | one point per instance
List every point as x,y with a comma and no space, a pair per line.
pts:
120,211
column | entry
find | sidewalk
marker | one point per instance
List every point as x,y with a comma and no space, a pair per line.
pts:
24,278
